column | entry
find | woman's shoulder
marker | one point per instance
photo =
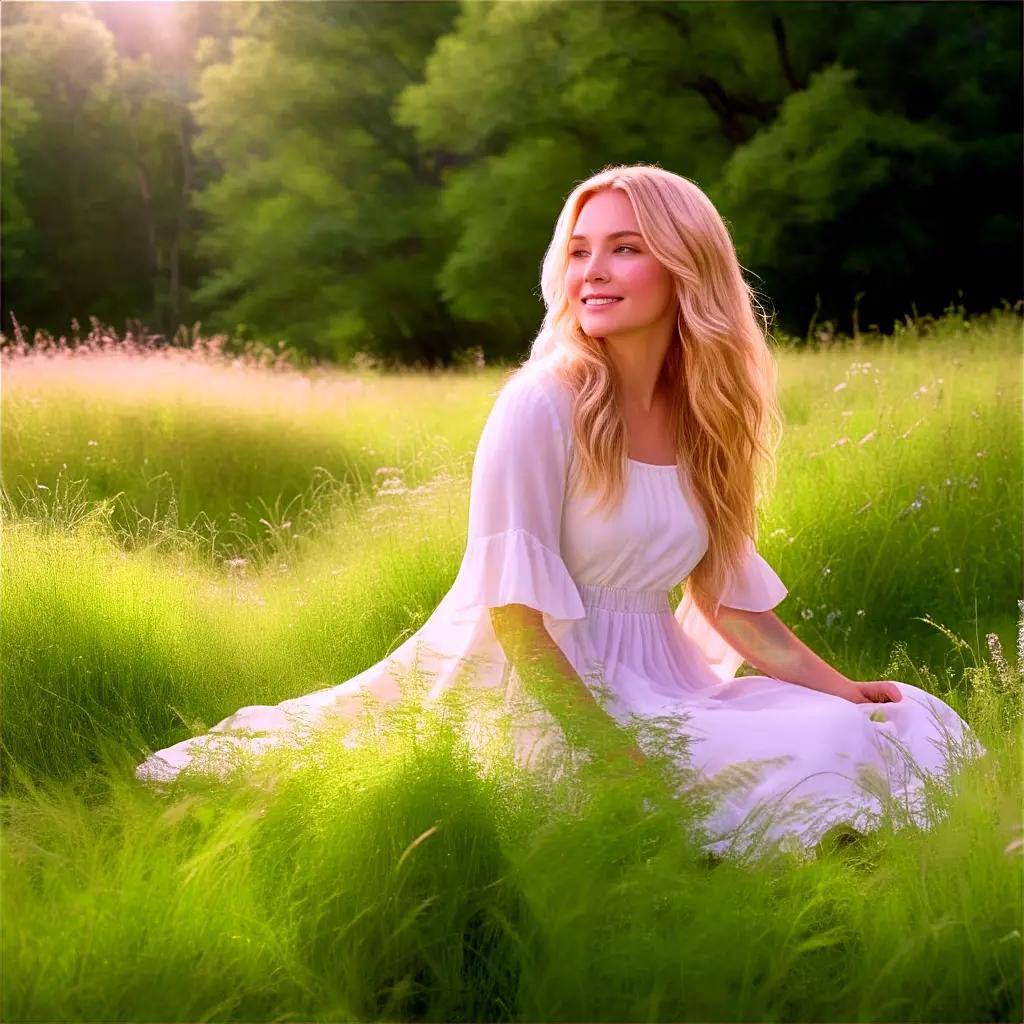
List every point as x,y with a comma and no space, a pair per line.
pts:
534,386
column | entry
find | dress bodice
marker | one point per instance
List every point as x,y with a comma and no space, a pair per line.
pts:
651,541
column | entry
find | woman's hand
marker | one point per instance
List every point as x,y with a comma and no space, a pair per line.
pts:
877,691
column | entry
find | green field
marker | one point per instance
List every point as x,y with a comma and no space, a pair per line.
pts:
185,534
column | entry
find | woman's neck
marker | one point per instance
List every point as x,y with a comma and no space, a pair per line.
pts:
637,372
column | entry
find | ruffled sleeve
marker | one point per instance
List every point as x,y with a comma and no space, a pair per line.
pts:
756,588
515,508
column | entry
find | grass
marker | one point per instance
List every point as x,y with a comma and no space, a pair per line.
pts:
239,534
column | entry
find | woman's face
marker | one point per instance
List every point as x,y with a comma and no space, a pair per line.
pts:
607,256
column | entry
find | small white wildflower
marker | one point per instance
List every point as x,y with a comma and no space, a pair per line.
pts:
957,569
934,529
998,658
860,612
869,436
826,571
981,454
839,386
42,487
949,483
806,613
92,444
839,442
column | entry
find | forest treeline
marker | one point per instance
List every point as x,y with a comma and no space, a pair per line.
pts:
384,177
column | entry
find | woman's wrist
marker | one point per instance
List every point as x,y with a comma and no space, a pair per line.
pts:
848,690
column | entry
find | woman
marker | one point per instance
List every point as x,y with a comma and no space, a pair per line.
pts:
621,458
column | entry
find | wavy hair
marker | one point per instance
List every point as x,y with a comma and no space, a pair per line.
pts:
718,370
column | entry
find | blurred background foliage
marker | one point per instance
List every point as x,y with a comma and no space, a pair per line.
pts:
384,177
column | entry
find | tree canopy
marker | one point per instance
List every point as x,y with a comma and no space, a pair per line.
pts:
384,177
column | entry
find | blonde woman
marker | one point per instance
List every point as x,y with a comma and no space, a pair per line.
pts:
624,456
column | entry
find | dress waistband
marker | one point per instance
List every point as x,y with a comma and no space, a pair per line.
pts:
621,599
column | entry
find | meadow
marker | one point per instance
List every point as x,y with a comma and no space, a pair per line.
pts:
186,531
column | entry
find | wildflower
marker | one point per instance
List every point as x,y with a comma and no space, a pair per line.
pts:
998,658
914,505
867,437
826,571
839,442
934,529
982,453
806,613
92,444
957,569
1020,635
860,612
949,483
839,386
236,563
42,487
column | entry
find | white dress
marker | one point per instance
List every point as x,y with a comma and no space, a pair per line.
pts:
603,587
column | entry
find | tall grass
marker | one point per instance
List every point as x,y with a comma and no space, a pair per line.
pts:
240,534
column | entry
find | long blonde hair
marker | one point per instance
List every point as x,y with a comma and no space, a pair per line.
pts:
718,370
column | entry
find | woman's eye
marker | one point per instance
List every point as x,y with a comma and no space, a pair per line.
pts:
576,252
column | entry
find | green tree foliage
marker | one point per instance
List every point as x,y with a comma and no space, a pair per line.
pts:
384,177
98,165
323,227
60,67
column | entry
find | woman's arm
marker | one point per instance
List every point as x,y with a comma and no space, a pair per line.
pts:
548,675
774,649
